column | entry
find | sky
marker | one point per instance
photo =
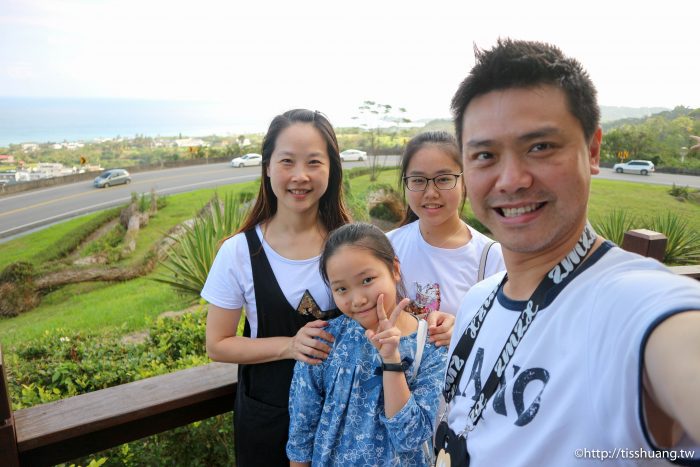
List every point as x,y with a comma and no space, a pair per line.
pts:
262,57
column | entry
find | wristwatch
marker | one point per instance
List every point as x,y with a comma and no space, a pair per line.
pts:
393,366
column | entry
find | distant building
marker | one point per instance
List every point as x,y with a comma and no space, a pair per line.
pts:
7,159
190,143
30,147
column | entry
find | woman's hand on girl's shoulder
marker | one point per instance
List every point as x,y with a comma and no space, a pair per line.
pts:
308,344
440,325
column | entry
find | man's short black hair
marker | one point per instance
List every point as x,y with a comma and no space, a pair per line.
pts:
523,64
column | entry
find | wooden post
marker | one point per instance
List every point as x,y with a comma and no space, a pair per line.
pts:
8,440
646,243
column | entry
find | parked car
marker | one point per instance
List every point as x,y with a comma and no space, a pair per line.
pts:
247,160
640,167
353,155
112,177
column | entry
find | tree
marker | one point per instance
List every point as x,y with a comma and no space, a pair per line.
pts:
375,119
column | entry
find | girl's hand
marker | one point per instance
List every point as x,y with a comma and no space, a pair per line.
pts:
440,326
305,347
386,337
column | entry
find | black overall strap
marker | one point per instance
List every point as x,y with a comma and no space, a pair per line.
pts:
269,382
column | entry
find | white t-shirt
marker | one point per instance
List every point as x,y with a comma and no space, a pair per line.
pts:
574,382
230,281
455,270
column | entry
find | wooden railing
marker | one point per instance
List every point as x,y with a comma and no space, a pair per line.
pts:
59,431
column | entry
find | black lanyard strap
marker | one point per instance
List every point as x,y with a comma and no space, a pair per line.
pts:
557,278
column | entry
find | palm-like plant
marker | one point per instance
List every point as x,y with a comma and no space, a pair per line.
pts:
683,246
190,260
614,225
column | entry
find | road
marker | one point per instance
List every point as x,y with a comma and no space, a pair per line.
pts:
30,210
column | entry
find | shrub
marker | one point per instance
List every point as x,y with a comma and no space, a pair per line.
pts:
17,292
384,203
679,192
61,364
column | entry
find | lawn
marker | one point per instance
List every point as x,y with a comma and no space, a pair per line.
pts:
99,306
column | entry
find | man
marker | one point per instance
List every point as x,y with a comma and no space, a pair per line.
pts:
583,350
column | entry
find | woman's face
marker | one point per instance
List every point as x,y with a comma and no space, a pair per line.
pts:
357,278
434,206
299,168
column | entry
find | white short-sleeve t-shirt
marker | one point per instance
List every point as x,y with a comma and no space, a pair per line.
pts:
455,270
230,281
574,383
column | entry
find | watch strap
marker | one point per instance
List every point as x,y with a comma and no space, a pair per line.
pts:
393,367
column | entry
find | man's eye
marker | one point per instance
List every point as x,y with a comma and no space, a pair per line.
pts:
367,280
340,290
482,156
539,147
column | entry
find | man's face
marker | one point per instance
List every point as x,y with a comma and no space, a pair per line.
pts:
527,166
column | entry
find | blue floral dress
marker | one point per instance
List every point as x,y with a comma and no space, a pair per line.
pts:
336,408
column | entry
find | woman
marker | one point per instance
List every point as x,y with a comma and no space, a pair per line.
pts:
271,266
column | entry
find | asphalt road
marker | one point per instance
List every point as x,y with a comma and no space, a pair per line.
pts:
30,210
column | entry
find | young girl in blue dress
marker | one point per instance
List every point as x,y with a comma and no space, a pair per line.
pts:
373,401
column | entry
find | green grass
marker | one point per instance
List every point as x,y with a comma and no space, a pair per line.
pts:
28,246
93,307
638,200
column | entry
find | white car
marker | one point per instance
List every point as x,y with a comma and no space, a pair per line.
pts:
640,167
353,155
247,160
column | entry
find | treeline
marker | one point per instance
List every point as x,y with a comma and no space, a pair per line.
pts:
664,138
660,138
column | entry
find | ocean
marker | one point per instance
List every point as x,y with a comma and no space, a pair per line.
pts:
42,120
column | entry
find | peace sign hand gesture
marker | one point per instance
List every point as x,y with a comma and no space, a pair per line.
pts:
386,337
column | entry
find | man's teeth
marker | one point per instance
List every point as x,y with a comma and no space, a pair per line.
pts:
513,212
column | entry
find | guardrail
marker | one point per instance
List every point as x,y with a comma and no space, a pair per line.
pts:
58,431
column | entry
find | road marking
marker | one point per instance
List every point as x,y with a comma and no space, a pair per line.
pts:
241,178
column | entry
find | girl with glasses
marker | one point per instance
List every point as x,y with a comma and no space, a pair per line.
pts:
441,256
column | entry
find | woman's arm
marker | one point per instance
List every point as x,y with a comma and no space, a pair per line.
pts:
223,345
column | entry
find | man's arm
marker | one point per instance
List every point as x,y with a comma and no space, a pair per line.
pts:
672,364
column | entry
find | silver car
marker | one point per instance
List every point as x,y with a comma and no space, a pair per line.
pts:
353,155
639,167
247,160
111,178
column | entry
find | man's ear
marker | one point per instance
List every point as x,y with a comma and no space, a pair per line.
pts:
594,151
